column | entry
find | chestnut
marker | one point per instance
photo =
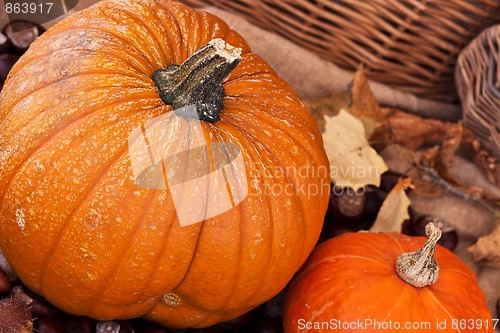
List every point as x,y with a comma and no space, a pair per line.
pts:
345,206
5,43
39,307
108,327
4,282
218,328
266,325
242,322
76,324
273,308
49,325
22,33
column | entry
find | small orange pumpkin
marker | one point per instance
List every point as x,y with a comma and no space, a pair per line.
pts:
76,226
364,282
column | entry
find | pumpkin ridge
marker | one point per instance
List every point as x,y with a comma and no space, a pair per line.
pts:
48,139
271,204
264,117
154,265
159,257
171,48
174,289
141,94
202,27
237,280
88,194
194,38
162,253
73,77
253,153
182,47
247,76
397,303
437,301
252,139
97,293
173,8
215,128
140,21
292,180
188,299
111,22
184,296
220,137
332,259
178,33
30,58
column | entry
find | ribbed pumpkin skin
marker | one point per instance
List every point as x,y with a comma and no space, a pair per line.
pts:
80,232
353,278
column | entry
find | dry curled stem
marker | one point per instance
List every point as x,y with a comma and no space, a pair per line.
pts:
419,268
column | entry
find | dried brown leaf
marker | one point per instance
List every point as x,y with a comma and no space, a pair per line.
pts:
358,99
451,143
429,156
328,106
473,150
441,158
486,250
363,103
403,160
425,188
412,131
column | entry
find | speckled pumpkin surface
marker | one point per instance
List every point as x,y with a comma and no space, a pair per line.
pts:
74,224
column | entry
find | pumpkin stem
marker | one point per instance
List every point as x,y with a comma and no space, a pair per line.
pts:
420,268
198,81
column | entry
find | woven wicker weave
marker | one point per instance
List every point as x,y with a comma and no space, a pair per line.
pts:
409,44
478,82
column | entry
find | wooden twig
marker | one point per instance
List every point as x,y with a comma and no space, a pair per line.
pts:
433,176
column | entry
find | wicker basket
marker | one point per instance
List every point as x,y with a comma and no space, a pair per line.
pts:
409,44
478,82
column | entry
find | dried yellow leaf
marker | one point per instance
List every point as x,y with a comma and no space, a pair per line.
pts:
353,162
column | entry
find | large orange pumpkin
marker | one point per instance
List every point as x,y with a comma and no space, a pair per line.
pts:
75,224
387,282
